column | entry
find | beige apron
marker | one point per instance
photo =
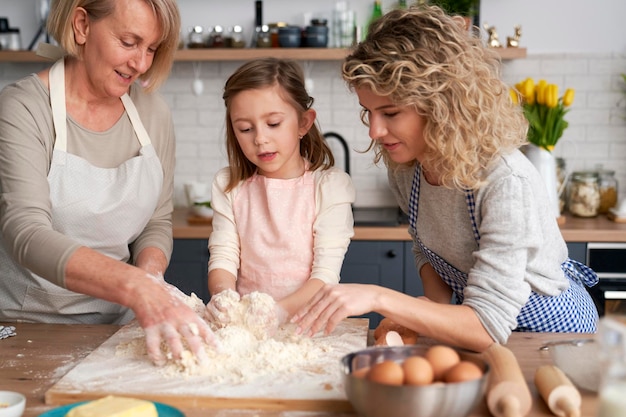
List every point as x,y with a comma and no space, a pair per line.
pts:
102,208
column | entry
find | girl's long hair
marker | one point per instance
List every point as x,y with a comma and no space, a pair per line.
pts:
288,75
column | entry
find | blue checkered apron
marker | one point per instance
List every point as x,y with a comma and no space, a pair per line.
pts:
571,311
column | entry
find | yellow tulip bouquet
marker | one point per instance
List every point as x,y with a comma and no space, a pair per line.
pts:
544,110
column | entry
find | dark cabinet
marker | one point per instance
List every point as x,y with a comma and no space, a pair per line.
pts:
577,251
188,268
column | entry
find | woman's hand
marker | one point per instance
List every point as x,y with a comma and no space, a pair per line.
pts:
162,312
333,303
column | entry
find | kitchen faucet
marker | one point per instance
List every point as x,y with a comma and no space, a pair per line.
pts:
344,145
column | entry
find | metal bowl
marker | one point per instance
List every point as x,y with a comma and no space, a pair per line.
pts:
579,359
372,399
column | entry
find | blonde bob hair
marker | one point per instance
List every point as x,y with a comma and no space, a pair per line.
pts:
422,58
59,26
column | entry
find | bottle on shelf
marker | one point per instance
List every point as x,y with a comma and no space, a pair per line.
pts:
402,4
377,13
608,189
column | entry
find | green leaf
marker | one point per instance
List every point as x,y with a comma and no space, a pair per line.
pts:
202,203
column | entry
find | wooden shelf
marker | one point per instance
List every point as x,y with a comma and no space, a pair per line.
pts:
245,54
512,53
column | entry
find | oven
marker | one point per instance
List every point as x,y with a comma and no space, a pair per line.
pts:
608,260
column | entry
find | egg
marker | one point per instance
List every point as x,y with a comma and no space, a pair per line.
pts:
463,371
386,324
387,372
441,359
383,327
361,372
390,338
409,338
417,371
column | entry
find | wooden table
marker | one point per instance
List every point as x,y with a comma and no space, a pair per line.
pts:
40,354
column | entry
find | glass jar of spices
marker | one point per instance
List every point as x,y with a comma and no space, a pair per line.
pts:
584,194
608,190
561,179
196,37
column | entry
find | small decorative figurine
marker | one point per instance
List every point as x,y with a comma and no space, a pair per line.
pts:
493,41
513,41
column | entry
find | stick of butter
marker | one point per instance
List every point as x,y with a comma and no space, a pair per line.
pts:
112,406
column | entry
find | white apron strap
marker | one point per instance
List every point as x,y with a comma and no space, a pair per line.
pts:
133,115
59,115
57,102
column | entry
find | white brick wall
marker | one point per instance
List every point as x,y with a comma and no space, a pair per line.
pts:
596,135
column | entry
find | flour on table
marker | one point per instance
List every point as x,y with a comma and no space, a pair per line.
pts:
246,351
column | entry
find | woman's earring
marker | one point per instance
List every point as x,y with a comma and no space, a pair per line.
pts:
300,137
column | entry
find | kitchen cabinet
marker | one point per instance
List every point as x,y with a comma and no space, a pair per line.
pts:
577,251
385,263
608,260
246,54
188,268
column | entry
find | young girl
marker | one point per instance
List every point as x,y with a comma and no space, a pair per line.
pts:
282,214
442,121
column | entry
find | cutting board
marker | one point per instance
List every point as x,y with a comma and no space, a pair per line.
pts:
314,385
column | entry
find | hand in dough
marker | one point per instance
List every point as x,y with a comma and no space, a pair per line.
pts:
165,317
221,307
264,315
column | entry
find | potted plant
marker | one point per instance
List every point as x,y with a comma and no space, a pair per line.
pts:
545,112
465,8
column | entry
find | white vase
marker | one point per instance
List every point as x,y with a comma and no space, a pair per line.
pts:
545,163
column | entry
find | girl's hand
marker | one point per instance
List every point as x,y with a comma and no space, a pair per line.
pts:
333,303
220,307
265,321
161,311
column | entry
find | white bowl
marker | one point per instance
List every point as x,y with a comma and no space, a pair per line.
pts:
579,359
12,404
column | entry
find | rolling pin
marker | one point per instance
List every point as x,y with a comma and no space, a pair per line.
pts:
557,391
507,392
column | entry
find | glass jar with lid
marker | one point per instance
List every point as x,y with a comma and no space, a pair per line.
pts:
584,194
196,37
561,179
608,190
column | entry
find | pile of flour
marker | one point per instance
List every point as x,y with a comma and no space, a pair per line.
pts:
246,351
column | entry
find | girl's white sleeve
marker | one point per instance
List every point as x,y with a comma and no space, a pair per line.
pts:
334,223
224,246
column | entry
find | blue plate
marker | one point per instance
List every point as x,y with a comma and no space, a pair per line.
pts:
164,410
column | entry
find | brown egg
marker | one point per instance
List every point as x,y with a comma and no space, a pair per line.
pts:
409,338
386,372
441,358
385,325
361,372
417,371
463,371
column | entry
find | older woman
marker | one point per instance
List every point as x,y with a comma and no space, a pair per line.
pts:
86,177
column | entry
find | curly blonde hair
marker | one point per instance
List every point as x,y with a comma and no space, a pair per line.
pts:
425,59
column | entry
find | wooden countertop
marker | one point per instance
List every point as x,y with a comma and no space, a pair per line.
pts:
574,229
40,354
